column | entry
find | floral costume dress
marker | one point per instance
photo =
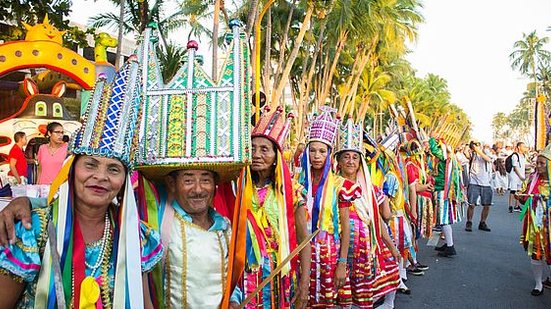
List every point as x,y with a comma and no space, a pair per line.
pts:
22,260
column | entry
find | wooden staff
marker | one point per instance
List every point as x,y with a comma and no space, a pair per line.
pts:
278,269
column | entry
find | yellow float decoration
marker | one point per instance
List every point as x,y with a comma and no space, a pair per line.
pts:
42,47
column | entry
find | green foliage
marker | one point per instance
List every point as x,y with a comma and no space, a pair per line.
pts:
171,59
529,53
15,13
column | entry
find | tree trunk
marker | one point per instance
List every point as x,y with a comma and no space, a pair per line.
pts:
251,18
328,78
283,44
298,41
268,55
119,37
215,25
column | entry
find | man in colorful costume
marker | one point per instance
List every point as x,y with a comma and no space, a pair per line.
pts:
420,200
194,136
421,193
448,194
373,257
388,176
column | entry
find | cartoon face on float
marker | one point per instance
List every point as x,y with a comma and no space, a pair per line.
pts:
36,112
22,106
43,32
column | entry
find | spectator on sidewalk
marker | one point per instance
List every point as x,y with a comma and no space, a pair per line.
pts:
501,181
517,175
51,155
480,169
18,163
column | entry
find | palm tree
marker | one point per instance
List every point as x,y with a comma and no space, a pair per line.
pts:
135,18
120,35
172,58
529,54
500,122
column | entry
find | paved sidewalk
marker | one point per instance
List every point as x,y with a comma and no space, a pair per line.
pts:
491,270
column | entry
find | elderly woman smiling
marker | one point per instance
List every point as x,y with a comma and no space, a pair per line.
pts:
99,242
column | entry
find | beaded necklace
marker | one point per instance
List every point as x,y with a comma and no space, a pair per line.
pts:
104,261
106,230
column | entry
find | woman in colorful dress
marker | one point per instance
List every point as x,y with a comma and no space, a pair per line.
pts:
536,217
373,257
328,199
82,251
276,221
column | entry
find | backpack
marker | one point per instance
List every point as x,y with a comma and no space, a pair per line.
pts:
509,162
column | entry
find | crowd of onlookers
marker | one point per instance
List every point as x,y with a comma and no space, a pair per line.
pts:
510,164
38,163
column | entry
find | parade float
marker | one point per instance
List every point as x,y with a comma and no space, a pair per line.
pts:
42,81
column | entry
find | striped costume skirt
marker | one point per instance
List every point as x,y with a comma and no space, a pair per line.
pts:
400,232
276,294
536,231
425,216
369,276
447,211
323,293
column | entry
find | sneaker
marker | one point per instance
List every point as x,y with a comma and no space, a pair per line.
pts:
482,226
448,252
437,228
441,248
379,302
469,226
547,283
415,271
517,209
510,209
421,266
536,292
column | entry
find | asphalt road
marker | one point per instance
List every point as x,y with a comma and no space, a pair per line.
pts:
490,270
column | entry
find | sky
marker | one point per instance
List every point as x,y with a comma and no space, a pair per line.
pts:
466,42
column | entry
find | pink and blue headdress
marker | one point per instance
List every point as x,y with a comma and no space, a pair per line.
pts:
323,208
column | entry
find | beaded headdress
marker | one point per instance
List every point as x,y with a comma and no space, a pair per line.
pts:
111,116
193,122
108,131
350,137
273,126
546,152
324,127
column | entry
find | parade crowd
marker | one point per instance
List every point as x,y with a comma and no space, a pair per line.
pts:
337,225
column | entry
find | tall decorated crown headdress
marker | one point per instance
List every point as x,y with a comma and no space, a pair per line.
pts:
324,127
350,137
194,122
108,131
274,126
546,152
111,116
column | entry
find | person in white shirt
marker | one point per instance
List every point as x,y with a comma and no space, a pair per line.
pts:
517,175
480,170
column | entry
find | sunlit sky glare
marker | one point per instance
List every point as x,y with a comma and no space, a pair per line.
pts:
467,42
